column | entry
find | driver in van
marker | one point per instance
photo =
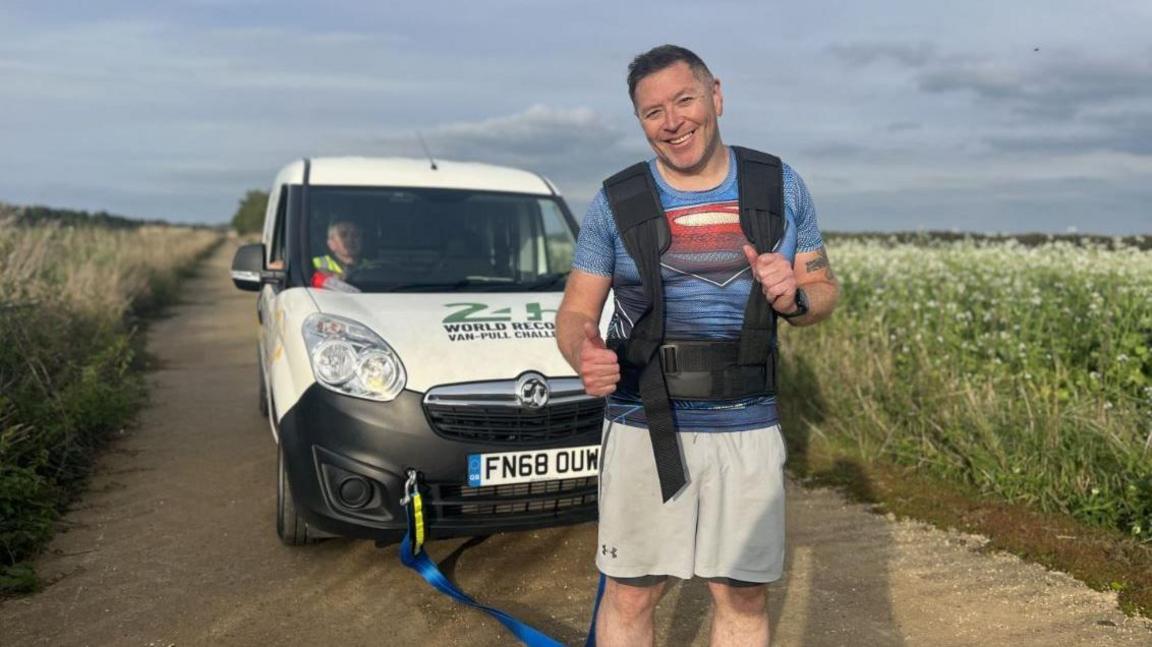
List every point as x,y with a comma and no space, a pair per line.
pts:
345,247
345,254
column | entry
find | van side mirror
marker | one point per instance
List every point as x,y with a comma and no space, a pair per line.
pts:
248,271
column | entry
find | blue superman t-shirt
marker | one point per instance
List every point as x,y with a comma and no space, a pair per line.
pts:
706,283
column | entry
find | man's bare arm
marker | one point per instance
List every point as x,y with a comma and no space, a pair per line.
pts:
584,298
814,273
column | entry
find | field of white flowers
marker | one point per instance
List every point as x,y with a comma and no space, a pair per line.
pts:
1024,371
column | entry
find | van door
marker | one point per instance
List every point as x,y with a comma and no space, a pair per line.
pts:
275,259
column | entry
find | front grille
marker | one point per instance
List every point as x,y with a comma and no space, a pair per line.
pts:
501,424
527,499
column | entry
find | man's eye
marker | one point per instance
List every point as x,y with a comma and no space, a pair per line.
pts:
686,100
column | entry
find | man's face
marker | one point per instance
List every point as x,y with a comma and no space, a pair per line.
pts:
344,241
679,114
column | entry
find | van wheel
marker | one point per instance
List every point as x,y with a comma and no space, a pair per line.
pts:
289,526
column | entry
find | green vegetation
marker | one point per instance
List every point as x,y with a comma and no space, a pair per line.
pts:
38,215
1017,374
249,217
68,373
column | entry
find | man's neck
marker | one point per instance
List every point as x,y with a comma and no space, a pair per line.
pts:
708,175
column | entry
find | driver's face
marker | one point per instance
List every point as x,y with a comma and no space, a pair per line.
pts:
345,242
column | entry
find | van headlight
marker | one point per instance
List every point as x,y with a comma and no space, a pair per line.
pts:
347,357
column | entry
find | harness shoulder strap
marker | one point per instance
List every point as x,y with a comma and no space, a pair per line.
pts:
632,195
644,230
761,185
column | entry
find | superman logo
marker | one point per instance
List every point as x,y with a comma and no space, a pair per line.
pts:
707,242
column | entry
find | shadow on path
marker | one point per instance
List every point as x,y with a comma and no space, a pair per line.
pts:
819,601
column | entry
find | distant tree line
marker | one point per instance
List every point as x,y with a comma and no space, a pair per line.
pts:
249,216
35,215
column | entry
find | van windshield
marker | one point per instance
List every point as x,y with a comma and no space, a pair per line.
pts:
436,240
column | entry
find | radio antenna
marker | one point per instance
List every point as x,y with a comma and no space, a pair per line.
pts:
426,151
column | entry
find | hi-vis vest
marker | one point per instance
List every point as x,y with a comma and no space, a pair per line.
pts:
328,264
694,369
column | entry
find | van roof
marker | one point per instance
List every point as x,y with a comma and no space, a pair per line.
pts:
414,172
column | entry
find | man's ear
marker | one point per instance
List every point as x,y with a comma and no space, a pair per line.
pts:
717,97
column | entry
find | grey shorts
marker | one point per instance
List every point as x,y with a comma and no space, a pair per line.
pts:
727,522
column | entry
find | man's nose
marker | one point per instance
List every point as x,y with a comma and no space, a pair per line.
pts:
672,120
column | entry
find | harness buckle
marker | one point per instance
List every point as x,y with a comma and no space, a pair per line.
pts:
668,358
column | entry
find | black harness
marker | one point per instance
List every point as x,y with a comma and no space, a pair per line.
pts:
694,369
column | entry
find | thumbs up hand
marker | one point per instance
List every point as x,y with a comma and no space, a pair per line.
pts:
776,277
599,368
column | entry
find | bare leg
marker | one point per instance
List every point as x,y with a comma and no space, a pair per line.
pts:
626,613
739,615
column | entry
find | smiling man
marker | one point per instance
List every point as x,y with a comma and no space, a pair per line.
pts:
705,246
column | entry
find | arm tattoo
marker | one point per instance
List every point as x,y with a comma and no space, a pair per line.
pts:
820,262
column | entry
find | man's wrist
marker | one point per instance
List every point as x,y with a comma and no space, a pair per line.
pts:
801,308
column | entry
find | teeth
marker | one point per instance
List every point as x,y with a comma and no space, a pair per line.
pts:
680,140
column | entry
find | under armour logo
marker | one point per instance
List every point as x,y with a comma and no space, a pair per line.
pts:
604,550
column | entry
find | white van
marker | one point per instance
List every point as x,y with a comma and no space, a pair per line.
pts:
407,316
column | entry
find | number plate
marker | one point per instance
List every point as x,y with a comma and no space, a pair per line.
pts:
506,468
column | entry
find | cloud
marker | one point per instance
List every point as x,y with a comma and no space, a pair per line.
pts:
835,150
536,133
903,126
575,147
1061,87
1126,132
909,54
177,109
1054,101
1091,205
1056,83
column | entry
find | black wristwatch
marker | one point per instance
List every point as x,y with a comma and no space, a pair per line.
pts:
801,305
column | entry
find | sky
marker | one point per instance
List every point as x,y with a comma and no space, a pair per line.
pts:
984,116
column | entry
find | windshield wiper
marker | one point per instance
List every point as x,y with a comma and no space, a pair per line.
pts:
545,281
444,285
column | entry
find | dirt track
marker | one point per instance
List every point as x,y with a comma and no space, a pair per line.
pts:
175,545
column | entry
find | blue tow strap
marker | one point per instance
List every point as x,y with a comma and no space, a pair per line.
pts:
413,556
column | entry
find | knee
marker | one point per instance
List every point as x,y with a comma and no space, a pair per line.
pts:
742,600
632,601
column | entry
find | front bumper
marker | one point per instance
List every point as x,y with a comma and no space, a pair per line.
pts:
347,458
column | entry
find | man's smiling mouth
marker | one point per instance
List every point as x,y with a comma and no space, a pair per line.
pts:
683,138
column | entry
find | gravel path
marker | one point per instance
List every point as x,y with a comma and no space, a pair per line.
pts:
174,544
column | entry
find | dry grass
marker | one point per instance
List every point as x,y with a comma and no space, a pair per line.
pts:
93,271
69,373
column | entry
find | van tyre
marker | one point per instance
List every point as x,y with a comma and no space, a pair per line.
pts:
291,529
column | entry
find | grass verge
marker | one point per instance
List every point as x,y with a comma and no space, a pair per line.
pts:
1105,559
993,387
70,369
